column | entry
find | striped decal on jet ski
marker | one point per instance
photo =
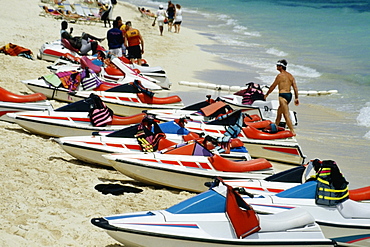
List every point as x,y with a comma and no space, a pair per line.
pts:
59,118
165,225
116,145
122,98
292,151
352,239
191,164
208,130
270,206
264,189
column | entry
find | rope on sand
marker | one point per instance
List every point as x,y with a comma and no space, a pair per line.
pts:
217,87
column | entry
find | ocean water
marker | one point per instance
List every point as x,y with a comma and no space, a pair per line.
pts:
324,41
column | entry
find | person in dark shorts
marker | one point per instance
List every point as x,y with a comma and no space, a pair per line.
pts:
287,96
134,43
171,11
285,82
178,18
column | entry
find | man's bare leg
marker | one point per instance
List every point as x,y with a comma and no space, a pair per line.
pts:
278,115
284,110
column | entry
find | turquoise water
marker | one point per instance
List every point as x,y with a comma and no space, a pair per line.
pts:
324,41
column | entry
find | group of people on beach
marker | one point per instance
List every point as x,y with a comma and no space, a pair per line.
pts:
120,37
171,16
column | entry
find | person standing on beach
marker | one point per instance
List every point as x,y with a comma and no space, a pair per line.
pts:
134,43
106,10
171,11
122,27
285,82
161,16
115,40
178,18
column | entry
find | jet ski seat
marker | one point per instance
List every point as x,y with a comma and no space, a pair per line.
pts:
294,218
68,45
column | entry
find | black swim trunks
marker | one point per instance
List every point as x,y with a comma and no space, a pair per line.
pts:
287,96
134,51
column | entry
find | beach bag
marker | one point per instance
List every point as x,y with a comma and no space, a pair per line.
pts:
70,79
100,115
90,80
332,187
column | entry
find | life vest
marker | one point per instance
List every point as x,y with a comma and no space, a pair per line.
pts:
89,79
148,139
332,187
251,93
100,115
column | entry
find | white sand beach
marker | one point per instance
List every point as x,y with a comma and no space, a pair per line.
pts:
48,197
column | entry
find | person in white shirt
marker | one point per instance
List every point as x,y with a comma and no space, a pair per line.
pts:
161,16
178,18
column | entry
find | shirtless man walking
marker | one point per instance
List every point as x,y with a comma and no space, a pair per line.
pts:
285,81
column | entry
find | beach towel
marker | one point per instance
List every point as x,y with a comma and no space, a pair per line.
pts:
90,80
70,79
16,50
52,79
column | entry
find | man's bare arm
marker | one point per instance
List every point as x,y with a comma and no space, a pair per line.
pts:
295,88
272,87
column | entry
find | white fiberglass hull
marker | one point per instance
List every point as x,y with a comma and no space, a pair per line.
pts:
268,108
348,222
141,167
10,107
204,220
282,150
58,124
135,238
119,107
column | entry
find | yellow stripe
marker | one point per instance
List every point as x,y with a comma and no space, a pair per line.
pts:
322,181
324,174
332,190
333,198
